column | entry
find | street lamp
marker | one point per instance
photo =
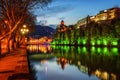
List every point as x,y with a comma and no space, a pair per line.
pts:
24,29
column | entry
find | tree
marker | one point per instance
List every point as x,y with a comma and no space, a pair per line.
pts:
14,12
115,27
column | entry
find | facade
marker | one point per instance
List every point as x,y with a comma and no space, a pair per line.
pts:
107,14
81,22
103,15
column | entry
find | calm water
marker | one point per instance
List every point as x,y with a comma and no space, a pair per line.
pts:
74,63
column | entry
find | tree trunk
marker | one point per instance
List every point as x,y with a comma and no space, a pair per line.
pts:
0,47
13,44
17,44
8,44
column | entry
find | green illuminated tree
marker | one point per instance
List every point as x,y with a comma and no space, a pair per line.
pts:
115,27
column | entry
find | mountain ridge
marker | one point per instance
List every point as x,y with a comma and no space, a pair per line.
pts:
41,31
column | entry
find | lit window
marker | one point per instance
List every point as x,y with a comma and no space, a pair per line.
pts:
104,18
105,10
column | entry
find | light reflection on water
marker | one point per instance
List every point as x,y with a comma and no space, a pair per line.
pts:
39,48
50,70
78,63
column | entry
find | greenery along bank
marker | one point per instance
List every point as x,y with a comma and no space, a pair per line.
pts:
104,33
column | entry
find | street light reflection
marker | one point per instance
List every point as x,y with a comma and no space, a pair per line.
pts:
39,48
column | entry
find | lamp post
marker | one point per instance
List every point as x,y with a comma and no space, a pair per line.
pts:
24,30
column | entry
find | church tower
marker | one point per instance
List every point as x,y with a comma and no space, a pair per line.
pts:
62,27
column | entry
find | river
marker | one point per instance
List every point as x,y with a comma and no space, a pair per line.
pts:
74,63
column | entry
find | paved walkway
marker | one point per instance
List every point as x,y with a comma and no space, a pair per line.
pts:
14,66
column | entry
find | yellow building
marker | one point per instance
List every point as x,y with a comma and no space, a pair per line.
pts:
107,14
81,22
103,15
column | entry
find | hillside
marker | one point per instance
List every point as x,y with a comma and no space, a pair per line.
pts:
41,31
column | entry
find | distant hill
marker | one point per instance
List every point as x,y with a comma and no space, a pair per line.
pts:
41,31
53,26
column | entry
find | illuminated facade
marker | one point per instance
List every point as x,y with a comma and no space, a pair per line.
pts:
81,22
107,14
103,15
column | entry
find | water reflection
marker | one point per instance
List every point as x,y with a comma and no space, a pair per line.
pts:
102,62
62,62
39,48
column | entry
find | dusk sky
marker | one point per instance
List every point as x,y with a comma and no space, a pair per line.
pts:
72,10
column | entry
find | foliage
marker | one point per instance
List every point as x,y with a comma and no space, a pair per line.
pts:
102,33
15,12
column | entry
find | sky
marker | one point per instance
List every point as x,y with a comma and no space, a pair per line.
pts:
72,10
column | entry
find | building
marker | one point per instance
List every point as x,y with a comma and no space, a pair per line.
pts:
104,15
81,22
62,27
107,14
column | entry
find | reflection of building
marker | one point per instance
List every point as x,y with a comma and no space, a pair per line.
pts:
39,48
62,62
105,75
105,66
82,67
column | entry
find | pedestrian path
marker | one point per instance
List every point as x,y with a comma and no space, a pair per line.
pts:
14,66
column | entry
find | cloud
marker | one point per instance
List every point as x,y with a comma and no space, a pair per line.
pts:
55,9
60,8
65,0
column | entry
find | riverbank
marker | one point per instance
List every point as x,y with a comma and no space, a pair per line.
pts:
15,65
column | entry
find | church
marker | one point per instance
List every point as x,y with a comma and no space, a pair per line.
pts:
62,27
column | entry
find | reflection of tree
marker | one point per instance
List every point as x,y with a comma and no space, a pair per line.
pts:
89,62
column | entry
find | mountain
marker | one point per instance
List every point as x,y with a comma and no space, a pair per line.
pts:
41,31
53,26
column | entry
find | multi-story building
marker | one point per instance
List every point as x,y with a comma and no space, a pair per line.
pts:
107,14
103,15
81,22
